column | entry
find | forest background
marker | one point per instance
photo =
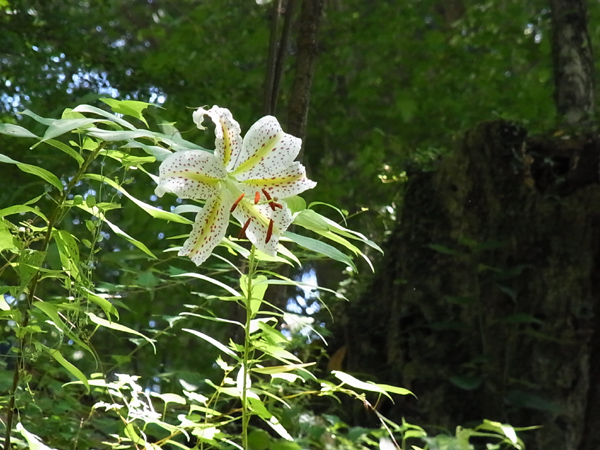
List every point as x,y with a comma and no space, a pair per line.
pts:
483,306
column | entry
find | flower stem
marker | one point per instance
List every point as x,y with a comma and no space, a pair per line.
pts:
247,349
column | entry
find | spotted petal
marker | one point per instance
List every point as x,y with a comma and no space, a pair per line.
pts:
190,174
228,140
284,183
209,228
266,150
258,229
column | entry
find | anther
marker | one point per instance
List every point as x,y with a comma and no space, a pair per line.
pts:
267,195
242,233
256,197
269,232
239,199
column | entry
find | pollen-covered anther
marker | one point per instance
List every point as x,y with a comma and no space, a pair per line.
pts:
269,232
256,198
242,233
267,195
274,205
239,199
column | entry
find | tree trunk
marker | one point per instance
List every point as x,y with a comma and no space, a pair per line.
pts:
486,304
572,60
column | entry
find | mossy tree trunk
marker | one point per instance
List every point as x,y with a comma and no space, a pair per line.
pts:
486,304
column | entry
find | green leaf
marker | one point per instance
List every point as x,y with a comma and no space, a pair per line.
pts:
369,386
45,175
118,327
152,210
395,389
296,203
210,280
519,318
103,303
259,287
52,312
259,440
270,370
16,131
443,249
159,153
258,407
30,262
67,150
131,108
68,252
33,442
19,209
321,248
40,119
7,240
466,382
101,112
128,238
170,398
63,126
214,342
276,352
67,365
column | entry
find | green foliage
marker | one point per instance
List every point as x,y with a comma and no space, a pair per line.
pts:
250,389
59,311
405,80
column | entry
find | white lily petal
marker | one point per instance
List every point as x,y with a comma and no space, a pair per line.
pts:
190,174
266,149
284,183
258,229
209,228
228,140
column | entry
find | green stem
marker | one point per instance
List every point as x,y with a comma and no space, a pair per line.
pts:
247,349
54,219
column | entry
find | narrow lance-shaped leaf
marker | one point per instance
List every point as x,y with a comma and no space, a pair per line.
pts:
320,248
118,327
16,131
70,367
152,210
44,174
131,108
214,342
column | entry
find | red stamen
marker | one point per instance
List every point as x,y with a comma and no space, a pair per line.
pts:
242,233
256,197
269,232
274,205
269,198
239,199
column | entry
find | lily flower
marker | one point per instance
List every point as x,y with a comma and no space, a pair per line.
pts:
246,178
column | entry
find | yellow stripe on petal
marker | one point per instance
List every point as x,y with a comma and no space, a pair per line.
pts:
266,150
259,154
228,139
191,174
283,183
209,229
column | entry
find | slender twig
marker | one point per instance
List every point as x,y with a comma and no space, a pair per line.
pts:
272,57
54,219
282,50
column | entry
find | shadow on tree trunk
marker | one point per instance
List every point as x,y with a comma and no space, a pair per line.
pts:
486,303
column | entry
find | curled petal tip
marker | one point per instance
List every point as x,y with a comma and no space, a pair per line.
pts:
198,117
159,191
